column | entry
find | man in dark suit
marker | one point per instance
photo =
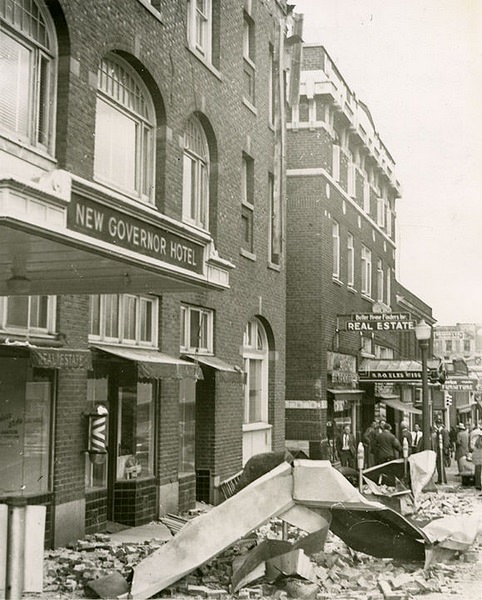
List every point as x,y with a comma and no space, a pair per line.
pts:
346,448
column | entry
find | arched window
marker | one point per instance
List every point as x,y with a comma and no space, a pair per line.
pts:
28,50
195,196
124,130
256,429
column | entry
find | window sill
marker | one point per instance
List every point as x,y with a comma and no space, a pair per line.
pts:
250,106
274,267
256,426
351,289
148,6
366,297
25,152
337,281
204,61
247,254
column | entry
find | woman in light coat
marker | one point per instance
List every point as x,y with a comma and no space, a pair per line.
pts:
461,445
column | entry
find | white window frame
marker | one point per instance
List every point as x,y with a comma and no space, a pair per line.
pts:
206,317
196,175
380,281
199,27
335,232
351,176
366,271
42,82
255,348
366,196
350,273
29,328
113,75
389,287
335,168
141,302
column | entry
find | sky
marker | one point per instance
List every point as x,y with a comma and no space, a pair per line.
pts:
417,64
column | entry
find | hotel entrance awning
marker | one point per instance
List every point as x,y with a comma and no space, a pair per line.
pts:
65,235
153,364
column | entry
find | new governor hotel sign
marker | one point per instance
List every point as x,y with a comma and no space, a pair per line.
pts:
62,234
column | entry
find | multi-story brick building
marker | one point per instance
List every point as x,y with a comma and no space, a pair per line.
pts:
341,196
142,252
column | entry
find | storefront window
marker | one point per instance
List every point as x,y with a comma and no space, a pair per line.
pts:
97,394
135,433
25,427
187,426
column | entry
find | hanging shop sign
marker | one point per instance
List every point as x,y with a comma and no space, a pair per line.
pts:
461,385
60,358
131,233
379,322
342,369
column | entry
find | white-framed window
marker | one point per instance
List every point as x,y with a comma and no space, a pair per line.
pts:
389,287
28,314
388,219
28,51
335,165
255,357
124,130
197,329
350,255
124,318
366,196
380,281
366,271
199,26
275,221
271,86
380,212
247,201
336,250
351,183
195,188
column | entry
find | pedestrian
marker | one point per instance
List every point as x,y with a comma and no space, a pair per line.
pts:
405,435
386,444
345,445
461,446
368,441
441,445
476,431
416,439
477,461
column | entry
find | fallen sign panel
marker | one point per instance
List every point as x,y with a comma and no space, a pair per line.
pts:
380,532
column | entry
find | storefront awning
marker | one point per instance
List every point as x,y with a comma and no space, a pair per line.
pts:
346,394
226,371
153,364
45,357
389,370
465,408
402,406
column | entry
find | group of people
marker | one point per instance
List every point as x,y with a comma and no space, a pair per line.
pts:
468,447
381,445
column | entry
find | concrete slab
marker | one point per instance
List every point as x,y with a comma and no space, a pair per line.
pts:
143,533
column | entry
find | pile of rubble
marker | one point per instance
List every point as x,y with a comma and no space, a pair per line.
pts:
336,572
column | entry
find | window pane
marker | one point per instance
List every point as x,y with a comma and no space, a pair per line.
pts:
25,407
145,320
255,390
38,312
17,311
187,425
43,101
15,85
195,328
135,431
115,146
111,316
129,320
94,315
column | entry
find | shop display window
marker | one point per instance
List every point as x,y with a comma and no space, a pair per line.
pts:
26,400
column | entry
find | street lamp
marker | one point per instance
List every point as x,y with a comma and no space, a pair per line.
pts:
423,331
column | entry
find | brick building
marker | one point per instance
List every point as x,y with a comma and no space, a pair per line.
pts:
341,206
142,255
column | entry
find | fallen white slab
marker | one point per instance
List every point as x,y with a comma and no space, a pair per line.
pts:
209,534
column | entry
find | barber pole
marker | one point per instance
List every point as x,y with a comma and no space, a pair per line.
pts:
98,435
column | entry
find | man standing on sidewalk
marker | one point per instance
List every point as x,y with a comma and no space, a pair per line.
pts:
441,445
345,445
